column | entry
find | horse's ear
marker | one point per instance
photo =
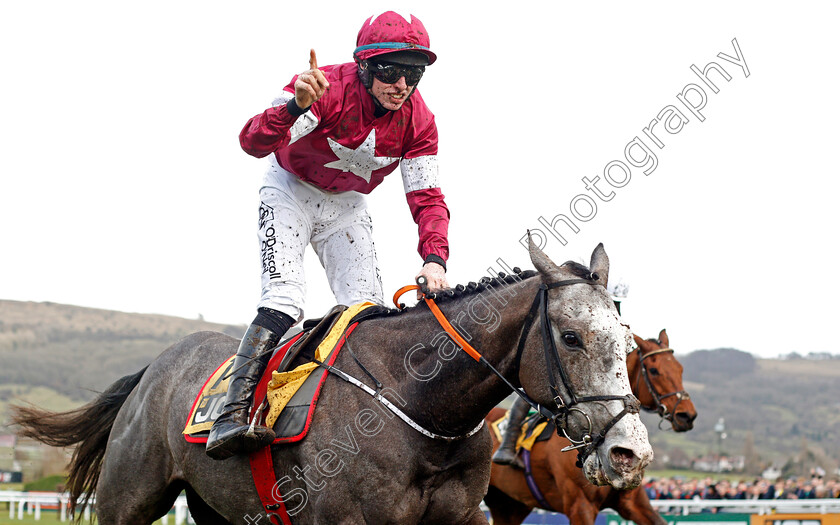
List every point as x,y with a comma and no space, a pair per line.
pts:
600,264
541,261
638,340
663,338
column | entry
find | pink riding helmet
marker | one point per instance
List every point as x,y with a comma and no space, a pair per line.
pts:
390,32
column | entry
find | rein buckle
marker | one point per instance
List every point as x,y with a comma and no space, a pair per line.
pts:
584,442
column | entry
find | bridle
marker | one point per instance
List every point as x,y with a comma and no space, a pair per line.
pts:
564,408
660,407
587,444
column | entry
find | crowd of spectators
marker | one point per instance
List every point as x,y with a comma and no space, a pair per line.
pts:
759,488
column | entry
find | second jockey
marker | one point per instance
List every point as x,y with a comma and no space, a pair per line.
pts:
332,136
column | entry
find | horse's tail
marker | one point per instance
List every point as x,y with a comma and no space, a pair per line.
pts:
88,426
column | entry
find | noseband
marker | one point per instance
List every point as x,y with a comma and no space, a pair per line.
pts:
660,408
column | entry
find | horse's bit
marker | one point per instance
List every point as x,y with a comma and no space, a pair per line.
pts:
660,409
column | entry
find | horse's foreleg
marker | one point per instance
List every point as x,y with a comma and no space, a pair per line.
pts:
505,510
202,513
635,506
582,512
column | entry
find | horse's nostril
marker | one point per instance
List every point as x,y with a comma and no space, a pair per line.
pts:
622,456
685,417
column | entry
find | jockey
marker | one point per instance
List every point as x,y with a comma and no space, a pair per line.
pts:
506,453
332,136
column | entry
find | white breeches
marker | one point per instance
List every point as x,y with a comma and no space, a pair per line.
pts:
293,214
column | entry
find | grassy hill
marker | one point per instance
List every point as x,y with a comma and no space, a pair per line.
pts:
59,356
787,407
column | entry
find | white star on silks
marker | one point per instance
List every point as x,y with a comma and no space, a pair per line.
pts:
361,161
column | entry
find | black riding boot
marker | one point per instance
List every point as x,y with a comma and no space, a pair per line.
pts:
506,453
230,433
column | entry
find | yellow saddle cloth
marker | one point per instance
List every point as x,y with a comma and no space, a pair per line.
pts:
296,390
283,385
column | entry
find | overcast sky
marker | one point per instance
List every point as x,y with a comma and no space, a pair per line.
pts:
124,186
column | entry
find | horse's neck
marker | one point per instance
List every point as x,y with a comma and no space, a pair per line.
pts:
452,386
634,372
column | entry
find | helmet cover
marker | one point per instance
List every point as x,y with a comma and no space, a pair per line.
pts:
390,32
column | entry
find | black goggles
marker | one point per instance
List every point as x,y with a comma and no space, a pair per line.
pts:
392,73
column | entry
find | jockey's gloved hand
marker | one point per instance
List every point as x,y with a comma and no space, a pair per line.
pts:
435,275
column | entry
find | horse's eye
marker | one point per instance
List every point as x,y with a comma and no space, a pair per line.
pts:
571,339
653,371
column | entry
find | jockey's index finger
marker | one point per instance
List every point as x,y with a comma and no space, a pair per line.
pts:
313,62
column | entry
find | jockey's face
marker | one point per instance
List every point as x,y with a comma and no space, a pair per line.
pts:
391,96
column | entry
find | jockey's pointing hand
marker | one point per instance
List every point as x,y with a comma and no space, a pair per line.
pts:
311,84
435,277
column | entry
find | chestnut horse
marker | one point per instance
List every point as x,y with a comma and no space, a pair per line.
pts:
656,378
359,463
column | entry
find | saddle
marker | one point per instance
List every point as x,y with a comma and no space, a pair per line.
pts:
286,395
535,428
314,331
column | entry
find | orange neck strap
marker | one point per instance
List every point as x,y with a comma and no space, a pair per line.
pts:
444,322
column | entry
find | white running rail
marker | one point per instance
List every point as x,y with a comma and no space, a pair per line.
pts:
30,503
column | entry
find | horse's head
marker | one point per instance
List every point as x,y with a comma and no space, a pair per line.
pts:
574,364
662,390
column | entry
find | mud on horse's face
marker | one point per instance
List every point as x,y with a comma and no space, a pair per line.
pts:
589,342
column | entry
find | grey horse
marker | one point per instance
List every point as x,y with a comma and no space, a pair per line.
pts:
360,463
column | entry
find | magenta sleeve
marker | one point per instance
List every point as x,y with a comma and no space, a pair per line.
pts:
429,211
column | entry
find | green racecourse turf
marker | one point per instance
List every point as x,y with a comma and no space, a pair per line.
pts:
46,517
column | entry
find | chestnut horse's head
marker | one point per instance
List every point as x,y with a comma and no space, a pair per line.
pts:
657,382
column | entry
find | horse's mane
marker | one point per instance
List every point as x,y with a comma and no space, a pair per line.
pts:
458,292
474,288
503,279
485,283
